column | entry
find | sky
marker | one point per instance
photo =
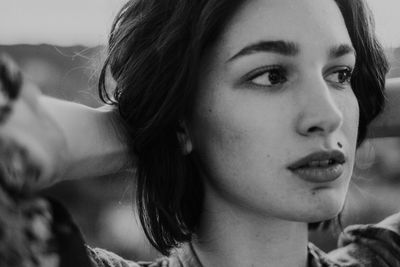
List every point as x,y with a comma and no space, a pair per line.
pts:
87,22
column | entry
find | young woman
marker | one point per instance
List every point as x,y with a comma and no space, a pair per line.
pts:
241,119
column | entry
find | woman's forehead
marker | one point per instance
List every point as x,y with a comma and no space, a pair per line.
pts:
310,24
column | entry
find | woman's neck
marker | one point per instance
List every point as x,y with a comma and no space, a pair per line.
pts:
234,237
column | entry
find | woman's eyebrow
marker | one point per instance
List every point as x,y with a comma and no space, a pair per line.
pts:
281,47
341,50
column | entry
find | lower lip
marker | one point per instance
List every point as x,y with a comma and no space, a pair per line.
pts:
319,174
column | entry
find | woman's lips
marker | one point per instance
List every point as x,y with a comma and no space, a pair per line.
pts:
320,174
320,167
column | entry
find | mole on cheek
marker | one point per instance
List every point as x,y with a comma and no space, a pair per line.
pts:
235,138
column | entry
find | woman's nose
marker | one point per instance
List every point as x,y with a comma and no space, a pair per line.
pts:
319,113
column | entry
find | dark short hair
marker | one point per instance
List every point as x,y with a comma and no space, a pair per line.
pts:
154,53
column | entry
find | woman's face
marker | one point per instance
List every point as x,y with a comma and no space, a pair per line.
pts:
274,89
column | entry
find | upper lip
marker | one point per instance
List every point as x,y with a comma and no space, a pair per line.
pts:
335,155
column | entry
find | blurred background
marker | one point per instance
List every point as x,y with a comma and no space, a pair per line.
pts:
59,44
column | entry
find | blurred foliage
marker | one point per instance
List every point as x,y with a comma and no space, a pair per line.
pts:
104,207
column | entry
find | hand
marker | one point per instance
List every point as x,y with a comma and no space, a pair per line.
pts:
32,146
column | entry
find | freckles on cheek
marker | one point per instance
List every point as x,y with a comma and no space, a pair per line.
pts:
220,140
225,135
214,125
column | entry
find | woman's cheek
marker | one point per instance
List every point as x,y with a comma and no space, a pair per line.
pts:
351,117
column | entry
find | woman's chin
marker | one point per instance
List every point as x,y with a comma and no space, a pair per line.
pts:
322,209
325,211
323,216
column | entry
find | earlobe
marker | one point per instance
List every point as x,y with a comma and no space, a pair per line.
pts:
184,139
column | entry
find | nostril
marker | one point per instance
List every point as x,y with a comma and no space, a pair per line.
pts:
314,129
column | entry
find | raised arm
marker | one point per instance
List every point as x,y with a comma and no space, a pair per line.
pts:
94,138
64,140
387,124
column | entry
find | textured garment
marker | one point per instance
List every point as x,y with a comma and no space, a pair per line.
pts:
359,245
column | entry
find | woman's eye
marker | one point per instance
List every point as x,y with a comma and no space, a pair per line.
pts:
341,76
269,77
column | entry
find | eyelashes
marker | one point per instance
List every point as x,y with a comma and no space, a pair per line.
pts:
340,76
267,76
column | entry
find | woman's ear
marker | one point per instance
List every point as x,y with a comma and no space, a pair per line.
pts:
184,139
